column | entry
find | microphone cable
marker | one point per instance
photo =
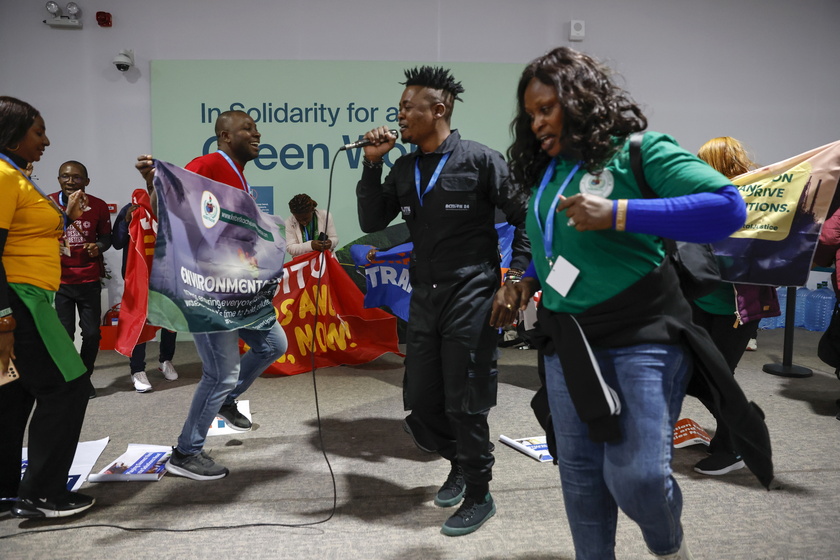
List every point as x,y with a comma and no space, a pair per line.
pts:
312,347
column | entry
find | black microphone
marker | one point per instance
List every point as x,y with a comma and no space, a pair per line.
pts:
365,142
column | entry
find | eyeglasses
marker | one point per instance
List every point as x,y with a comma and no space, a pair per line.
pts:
71,178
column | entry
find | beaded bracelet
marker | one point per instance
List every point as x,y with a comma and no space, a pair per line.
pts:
371,164
513,275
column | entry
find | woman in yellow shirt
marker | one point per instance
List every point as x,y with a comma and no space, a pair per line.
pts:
51,372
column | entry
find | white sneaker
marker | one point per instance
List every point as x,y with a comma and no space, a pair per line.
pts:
752,345
141,382
168,370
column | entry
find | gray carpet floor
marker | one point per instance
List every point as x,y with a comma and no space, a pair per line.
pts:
278,501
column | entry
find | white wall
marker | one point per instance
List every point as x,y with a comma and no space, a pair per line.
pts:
764,71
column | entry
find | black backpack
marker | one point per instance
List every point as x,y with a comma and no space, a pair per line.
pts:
695,263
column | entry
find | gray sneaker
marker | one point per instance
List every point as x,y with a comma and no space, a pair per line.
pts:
196,467
234,419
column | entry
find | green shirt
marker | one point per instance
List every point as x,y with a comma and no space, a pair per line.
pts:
720,302
610,261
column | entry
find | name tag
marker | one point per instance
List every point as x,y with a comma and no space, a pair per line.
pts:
562,276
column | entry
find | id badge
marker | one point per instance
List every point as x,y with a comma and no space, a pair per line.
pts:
562,276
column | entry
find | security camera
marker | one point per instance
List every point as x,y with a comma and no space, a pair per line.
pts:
124,60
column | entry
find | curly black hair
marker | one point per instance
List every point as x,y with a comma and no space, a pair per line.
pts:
435,77
597,115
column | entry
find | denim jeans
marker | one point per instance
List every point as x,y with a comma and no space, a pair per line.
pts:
225,376
633,473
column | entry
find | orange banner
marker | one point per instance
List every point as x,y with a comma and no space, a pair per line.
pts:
322,312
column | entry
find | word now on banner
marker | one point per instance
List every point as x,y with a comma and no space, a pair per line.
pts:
323,314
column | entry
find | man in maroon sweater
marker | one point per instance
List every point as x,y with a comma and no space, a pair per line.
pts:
82,246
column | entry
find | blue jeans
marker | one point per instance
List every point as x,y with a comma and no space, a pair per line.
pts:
225,376
633,473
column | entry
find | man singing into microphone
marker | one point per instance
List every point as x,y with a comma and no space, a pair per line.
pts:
447,191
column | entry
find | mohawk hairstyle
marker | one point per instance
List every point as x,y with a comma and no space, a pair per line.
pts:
434,78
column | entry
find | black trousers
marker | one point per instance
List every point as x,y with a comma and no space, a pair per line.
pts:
137,362
55,425
731,338
86,298
451,378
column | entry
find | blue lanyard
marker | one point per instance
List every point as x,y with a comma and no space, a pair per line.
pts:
434,178
245,184
549,219
37,188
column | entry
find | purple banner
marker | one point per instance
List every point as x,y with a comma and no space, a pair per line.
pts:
217,257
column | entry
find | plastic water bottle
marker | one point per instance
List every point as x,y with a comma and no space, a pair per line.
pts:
767,323
780,320
774,322
802,295
818,309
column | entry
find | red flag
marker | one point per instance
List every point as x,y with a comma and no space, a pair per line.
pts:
345,333
131,327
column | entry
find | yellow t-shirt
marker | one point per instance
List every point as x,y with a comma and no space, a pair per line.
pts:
31,252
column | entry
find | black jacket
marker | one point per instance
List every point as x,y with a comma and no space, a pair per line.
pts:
454,226
653,310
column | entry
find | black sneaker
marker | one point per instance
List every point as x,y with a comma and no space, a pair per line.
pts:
720,462
69,504
234,419
196,467
422,443
6,504
453,489
469,517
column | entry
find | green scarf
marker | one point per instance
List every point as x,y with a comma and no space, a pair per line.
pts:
40,304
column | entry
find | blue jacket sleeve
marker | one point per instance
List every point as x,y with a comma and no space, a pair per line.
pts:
697,218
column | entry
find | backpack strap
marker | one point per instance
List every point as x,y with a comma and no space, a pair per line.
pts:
637,166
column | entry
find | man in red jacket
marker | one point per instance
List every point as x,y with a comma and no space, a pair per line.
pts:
82,246
225,376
